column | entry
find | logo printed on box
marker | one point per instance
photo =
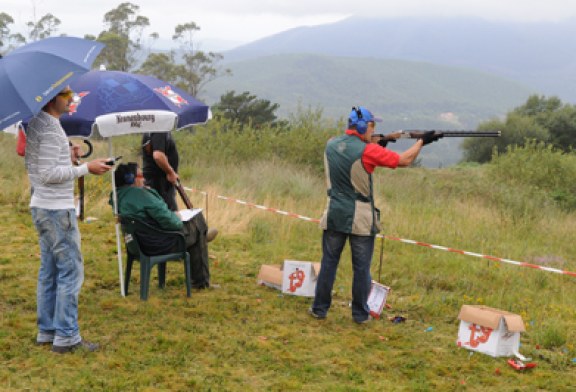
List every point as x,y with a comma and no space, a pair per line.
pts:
475,341
490,331
299,277
296,279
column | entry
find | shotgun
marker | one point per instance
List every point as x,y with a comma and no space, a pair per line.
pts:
417,134
183,195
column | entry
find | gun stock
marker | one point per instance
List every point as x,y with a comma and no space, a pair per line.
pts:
183,195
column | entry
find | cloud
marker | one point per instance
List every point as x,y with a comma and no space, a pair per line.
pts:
248,20
529,10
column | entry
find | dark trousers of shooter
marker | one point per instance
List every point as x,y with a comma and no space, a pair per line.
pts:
166,189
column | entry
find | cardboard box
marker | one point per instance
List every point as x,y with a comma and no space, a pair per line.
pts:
377,298
299,277
271,276
490,331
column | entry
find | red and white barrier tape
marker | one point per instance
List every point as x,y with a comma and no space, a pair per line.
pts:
260,207
488,257
406,241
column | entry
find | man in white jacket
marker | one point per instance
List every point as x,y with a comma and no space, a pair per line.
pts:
49,158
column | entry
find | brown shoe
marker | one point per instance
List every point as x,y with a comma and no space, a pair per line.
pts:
83,344
211,234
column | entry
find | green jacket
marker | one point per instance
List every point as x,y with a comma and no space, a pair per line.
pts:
146,204
350,207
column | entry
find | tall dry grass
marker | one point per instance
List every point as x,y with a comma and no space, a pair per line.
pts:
246,337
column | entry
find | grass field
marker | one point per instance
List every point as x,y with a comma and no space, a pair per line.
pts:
242,336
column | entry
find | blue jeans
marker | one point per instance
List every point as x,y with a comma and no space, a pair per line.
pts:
362,248
60,276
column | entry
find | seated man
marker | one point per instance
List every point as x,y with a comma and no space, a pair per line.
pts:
146,204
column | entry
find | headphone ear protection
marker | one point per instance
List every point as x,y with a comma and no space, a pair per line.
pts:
129,178
361,124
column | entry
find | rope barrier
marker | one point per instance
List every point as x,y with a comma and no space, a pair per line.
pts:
403,240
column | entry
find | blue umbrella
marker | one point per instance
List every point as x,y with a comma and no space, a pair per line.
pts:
33,74
115,93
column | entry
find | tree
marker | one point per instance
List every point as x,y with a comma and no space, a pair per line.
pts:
198,67
515,130
562,127
246,109
537,106
123,37
43,28
558,118
541,119
160,65
6,36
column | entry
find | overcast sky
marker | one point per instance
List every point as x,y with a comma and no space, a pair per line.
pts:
242,21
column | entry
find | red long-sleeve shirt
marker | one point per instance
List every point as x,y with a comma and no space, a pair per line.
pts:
375,155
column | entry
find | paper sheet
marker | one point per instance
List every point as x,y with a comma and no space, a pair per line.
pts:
186,215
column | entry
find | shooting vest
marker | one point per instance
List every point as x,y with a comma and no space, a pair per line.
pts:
350,206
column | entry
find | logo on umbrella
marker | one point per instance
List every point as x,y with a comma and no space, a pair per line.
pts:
77,100
173,96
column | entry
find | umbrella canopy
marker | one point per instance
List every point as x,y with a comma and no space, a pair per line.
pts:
119,103
132,101
33,74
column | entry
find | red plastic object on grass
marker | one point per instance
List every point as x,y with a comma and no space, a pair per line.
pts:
519,365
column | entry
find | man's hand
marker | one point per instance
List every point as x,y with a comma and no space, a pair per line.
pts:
172,177
383,140
99,166
430,136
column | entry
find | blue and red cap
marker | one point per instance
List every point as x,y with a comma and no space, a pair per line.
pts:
360,117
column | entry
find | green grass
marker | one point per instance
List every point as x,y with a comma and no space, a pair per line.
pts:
242,336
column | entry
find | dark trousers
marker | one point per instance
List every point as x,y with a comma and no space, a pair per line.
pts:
362,249
195,232
165,188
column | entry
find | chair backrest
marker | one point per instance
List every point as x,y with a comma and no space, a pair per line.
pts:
135,230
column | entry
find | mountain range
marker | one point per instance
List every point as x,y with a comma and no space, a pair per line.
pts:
540,55
436,73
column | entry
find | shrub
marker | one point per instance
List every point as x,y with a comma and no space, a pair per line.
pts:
538,170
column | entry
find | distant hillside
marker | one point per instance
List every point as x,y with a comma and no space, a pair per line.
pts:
540,55
406,94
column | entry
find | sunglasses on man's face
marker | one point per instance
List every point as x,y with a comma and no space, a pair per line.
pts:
66,94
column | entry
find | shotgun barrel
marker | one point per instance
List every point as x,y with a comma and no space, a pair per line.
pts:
416,134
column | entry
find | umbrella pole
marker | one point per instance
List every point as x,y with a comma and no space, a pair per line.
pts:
117,224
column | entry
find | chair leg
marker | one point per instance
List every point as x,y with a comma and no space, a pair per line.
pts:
187,268
128,273
162,275
144,278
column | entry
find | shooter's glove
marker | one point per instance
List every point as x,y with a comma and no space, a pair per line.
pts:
429,137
